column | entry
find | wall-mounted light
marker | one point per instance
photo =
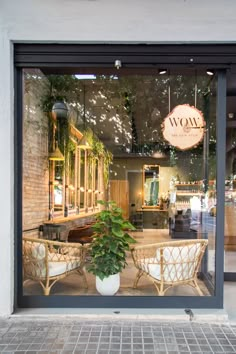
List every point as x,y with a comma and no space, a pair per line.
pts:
56,155
59,110
230,115
83,144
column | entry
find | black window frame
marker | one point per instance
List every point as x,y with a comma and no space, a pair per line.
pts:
53,57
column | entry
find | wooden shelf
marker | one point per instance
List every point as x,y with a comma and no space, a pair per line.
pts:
71,217
189,193
188,184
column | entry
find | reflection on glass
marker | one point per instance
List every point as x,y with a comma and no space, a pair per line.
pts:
151,184
82,179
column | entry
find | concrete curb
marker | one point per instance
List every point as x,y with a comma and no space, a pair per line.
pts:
162,315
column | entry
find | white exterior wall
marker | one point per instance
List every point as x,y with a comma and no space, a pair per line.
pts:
88,21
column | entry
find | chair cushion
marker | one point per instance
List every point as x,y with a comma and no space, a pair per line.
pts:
34,249
35,260
58,268
179,263
55,268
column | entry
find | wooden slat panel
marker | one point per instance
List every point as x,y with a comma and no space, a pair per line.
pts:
230,228
119,192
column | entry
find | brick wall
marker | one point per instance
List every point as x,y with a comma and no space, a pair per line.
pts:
35,186
35,154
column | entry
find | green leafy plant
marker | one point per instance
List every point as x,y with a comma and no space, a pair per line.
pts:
110,241
98,151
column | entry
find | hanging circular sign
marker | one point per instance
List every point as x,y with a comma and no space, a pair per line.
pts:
184,127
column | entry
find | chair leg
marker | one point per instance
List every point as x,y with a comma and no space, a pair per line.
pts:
46,288
160,289
46,291
138,276
197,288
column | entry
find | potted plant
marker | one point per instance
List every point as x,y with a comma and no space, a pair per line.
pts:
108,248
164,201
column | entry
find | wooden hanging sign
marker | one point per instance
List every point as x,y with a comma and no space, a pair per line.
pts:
184,127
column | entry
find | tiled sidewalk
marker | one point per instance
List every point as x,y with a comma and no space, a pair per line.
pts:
113,337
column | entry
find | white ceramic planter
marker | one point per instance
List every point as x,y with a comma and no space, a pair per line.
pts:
109,285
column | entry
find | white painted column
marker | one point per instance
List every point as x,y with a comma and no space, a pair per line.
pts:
6,176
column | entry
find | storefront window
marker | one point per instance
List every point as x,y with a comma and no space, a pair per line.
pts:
146,142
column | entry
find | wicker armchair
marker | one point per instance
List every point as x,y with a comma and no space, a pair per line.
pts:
49,261
169,264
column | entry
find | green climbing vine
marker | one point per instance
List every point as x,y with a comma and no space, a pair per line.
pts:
99,151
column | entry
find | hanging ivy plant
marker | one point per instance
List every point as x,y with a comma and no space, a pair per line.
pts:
98,151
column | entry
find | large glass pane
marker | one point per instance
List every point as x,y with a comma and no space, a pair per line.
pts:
146,142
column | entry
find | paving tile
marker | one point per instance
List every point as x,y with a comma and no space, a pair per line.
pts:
147,340
228,349
81,347
103,347
160,346
113,337
217,349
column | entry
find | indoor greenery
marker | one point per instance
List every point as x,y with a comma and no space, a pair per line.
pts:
98,151
110,241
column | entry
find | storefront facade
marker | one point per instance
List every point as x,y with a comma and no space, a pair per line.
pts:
178,58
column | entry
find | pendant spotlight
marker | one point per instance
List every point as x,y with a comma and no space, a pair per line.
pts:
118,64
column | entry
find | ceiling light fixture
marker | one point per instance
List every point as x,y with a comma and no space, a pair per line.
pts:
118,64
85,76
162,71
210,72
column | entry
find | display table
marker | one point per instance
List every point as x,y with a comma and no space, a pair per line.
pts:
154,218
53,231
59,227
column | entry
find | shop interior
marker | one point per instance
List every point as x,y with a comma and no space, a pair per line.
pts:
91,137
